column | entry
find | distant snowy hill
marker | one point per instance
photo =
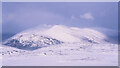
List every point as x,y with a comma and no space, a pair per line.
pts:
58,34
61,46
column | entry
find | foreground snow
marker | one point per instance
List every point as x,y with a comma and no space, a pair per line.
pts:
63,55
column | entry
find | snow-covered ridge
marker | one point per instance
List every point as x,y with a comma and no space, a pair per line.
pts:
74,34
60,45
58,34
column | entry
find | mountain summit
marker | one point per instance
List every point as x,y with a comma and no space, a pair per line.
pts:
58,34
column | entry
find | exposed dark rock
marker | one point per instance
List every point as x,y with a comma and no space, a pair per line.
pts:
31,44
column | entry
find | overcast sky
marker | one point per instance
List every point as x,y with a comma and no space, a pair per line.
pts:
20,16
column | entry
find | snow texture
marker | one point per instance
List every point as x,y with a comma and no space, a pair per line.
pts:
59,46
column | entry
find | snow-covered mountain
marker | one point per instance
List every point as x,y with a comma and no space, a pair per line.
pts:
58,34
60,45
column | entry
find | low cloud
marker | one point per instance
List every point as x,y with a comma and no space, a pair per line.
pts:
88,16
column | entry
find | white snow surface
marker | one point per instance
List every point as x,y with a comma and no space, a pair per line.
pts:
63,55
65,34
75,51
74,34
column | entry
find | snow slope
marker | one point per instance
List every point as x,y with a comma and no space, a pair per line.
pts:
58,34
74,34
59,46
